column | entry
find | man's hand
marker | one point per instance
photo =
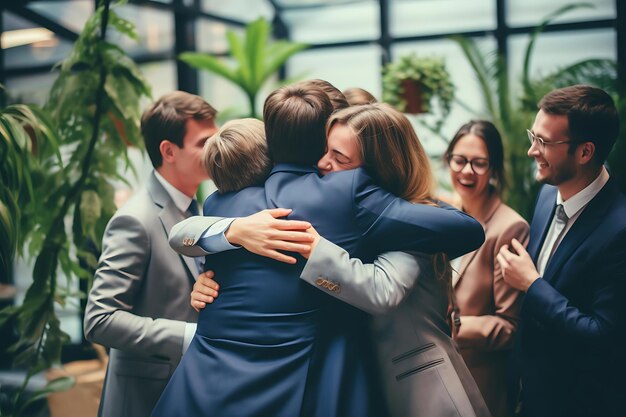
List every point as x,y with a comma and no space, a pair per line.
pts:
264,234
518,269
205,290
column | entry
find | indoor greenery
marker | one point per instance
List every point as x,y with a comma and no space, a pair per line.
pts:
94,108
255,59
435,85
513,114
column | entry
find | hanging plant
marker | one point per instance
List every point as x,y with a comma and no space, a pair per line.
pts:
417,85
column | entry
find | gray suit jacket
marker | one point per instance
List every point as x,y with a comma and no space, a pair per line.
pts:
139,303
422,370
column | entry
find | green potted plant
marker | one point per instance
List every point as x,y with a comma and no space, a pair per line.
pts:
256,58
417,85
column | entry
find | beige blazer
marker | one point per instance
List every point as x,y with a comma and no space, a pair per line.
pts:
489,308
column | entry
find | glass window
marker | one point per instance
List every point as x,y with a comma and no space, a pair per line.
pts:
211,36
240,10
531,12
410,18
155,28
558,49
340,23
28,45
343,67
72,15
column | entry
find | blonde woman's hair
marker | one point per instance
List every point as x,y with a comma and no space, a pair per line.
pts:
390,150
236,156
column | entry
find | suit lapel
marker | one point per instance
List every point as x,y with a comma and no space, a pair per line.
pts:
169,216
541,220
588,220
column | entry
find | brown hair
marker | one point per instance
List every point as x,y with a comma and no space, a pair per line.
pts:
337,98
390,149
591,115
236,156
357,96
166,119
394,156
295,117
493,141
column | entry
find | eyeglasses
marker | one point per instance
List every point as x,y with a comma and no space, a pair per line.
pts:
541,143
457,163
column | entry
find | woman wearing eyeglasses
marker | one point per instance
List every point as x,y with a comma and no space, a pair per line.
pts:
487,307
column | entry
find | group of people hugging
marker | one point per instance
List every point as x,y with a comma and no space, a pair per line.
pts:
334,281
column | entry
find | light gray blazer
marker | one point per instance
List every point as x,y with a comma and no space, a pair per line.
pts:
139,303
422,370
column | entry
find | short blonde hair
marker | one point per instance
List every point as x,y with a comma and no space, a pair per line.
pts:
236,156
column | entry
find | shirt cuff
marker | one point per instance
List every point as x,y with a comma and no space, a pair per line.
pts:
213,240
190,331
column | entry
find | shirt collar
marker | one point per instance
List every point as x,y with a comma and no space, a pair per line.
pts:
297,168
579,200
180,199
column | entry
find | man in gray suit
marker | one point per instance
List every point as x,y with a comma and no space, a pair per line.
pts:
139,303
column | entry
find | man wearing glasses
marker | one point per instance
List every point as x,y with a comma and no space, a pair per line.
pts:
570,349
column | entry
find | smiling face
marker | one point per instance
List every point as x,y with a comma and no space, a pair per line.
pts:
469,185
555,165
342,150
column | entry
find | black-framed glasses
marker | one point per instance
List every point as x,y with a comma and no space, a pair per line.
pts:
541,143
480,166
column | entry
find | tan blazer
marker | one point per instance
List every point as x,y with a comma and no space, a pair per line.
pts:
489,308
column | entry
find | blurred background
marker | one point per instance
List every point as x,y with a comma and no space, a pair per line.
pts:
504,52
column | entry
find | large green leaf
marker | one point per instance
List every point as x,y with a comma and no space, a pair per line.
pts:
255,59
209,63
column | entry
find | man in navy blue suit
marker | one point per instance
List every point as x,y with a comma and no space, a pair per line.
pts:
570,350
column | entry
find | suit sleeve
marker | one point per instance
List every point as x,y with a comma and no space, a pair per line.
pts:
496,331
395,224
185,235
375,288
602,319
117,282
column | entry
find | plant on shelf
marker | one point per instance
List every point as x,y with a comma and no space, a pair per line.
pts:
514,114
94,108
417,85
255,57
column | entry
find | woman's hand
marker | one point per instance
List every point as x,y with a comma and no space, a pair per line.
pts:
205,290
265,234
315,239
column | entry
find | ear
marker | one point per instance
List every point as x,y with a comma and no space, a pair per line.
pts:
168,150
585,152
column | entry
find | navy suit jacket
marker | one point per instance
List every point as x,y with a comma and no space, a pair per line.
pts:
349,210
570,350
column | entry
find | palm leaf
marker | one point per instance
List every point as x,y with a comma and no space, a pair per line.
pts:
482,73
534,36
209,63
256,37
